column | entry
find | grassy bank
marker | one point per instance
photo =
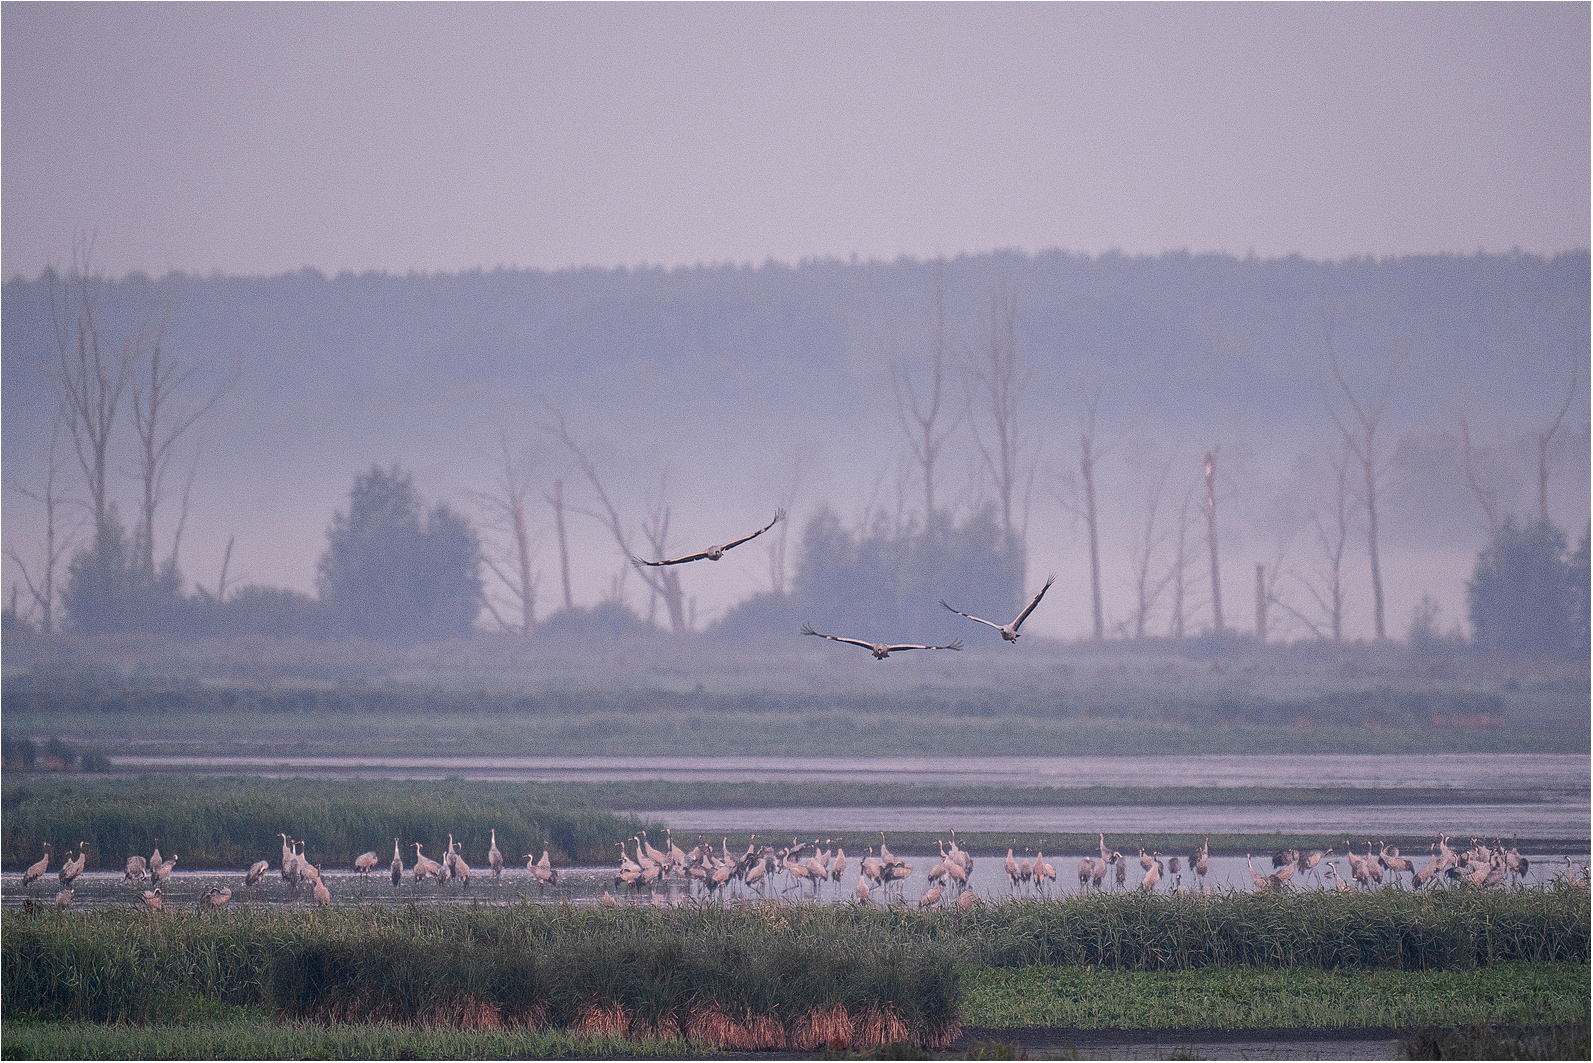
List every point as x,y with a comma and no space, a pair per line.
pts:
1236,998
230,823
860,731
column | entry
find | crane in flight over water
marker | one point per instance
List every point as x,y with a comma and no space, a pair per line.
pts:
713,553
879,649
1008,631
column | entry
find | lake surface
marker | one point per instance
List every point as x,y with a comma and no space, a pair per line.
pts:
1550,774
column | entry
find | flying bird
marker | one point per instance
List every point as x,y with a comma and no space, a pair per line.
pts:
713,553
878,649
1008,631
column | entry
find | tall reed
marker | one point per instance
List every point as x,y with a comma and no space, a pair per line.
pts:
713,972
231,822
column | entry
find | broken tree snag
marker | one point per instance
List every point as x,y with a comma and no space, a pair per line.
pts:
1211,536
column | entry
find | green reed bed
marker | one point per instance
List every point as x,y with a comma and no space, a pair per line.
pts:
552,964
1455,929
1222,998
232,822
735,977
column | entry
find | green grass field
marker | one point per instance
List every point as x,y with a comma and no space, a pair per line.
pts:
1238,998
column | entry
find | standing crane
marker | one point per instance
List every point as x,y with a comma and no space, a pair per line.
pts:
257,872
36,871
494,857
1152,876
397,867
74,865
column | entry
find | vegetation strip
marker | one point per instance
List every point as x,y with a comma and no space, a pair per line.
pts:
230,823
789,977
1238,998
829,730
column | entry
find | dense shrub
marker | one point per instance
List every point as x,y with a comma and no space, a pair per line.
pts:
1526,594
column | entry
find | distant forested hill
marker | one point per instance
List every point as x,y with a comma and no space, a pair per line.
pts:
729,378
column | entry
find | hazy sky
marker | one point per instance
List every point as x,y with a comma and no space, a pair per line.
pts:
262,138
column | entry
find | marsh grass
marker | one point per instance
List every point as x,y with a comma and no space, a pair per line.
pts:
667,972
1222,998
231,822
646,973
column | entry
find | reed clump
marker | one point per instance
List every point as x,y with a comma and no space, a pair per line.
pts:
232,822
1443,929
717,976
740,977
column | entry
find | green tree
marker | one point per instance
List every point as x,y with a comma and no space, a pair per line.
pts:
389,574
1524,595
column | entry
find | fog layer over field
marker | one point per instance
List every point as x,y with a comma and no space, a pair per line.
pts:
724,392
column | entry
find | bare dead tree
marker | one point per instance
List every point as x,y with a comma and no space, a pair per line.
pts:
1146,545
1361,437
57,541
158,382
90,378
1211,536
1332,538
1000,383
1268,577
1077,496
779,536
1486,496
556,500
1178,573
504,507
655,529
1544,439
664,582
226,560
923,419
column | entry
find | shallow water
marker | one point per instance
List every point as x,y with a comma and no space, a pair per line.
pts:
1549,774
585,885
